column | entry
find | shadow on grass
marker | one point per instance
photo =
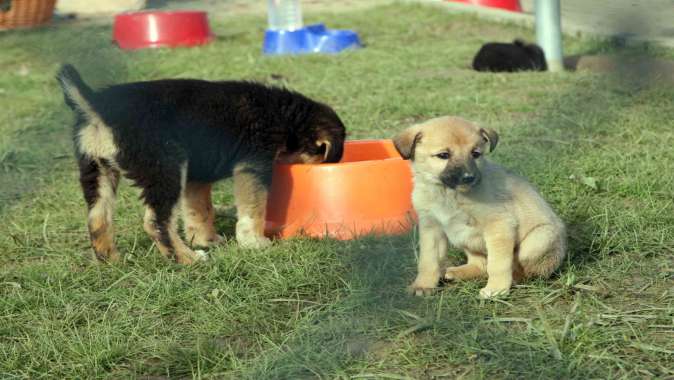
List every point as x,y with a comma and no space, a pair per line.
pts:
377,317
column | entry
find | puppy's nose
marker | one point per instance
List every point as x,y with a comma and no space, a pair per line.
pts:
468,178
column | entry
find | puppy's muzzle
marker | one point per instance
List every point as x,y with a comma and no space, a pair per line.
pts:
468,179
460,178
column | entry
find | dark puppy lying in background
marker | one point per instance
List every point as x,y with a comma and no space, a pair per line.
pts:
174,138
510,57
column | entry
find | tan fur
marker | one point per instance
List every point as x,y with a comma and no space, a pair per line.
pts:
328,146
504,226
199,216
180,252
149,224
250,197
100,220
74,94
96,140
300,157
304,157
476,267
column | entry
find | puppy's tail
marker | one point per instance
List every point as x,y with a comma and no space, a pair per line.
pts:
77,94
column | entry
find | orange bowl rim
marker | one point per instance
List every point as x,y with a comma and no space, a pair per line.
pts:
345,164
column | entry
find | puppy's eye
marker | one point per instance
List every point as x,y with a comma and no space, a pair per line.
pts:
476,153
443,155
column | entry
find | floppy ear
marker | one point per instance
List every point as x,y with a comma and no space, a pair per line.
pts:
325,145
406,142
491,136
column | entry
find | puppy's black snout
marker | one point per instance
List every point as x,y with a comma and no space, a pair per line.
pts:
468,178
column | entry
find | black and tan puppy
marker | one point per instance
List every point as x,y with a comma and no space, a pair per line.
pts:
175,137
510,57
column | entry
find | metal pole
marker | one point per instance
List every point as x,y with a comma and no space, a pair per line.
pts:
549,32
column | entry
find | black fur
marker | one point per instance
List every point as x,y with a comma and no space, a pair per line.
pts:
212,124
159,126
90,171
510,57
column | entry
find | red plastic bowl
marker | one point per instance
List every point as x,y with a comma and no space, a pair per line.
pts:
509,5
150,29
368,192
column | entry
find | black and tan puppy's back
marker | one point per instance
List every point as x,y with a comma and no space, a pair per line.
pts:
175,137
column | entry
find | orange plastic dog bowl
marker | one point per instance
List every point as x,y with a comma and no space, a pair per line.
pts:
368,192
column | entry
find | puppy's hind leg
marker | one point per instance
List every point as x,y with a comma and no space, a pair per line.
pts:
99,185
251,184
542,251
476,267
199,215
163,198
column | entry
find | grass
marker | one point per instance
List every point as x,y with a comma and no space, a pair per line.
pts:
598,147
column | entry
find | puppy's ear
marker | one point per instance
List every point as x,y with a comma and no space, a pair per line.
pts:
491,136
324,145
406,142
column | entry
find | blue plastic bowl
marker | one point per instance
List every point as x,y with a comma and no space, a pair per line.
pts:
310,39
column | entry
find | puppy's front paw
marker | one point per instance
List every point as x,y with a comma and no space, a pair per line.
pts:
253,242
422,288
189,257
206,240
112,257
201,255
420,291
488,293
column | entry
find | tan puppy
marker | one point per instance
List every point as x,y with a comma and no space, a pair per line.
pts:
503,225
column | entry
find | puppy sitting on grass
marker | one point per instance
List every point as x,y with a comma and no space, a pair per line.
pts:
174,138
503,225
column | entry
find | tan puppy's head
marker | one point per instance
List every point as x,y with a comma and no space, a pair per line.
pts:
447,151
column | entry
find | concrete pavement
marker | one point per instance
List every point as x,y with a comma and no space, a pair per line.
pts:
630,20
